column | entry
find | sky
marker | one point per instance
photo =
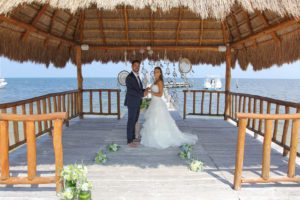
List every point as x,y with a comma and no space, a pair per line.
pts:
12,69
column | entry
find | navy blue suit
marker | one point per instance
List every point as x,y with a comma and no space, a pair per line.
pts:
133,100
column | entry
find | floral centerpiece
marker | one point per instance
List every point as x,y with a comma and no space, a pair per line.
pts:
196,165
76,185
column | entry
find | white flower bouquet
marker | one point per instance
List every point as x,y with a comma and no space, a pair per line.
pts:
196,165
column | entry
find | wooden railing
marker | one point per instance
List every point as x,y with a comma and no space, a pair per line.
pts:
29,122
96,98
54,102
263,105
243,119
68,101
204,102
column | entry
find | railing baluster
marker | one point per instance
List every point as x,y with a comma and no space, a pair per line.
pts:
91,101
194,102
118,105
72,104
45,112
249,110
31,149
15,126
109,101
293,148
50,109
244,104
184,104
240,103
24,124
285,131
210,104
254,111
55,103
202,102
232,106
100,101
38,105
69,106
218,103
59,103
267,150
276,123
261,111
240,148
4,144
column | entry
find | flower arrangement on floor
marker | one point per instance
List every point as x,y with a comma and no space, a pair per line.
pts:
186,154
101,157
113,147
76,184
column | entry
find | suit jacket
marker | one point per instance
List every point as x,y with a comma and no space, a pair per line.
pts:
134,93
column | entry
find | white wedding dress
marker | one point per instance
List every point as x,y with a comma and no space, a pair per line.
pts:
159,129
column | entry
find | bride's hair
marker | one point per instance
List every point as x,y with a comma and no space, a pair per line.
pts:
161,78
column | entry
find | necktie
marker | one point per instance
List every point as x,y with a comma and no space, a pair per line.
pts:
140,82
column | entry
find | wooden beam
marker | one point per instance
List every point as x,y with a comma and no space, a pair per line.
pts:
214,41
201,33
34,30
228,81
169,48
82,26
126,24
78,33
67,26
236,25
164,30
79,79
102,34
225,31
35,20
178,25
264,32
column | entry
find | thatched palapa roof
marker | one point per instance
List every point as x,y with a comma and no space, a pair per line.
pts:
260,32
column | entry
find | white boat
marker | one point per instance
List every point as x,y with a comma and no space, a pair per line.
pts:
212,83
3,83
177,85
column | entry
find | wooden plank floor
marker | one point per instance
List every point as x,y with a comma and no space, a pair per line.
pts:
146,173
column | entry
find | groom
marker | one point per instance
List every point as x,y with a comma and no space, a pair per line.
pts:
133,100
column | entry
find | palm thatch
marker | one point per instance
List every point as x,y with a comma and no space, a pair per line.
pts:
261,32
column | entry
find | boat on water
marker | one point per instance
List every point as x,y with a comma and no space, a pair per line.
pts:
212,83
177,85
3,83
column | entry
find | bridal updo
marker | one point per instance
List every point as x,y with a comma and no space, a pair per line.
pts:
161,78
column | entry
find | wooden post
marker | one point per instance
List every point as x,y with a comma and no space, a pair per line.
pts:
4,143
31,149
240,148
293,149
118,104
79,81
267,150
228,81
58,151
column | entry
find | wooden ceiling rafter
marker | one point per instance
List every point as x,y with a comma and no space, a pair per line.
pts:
246,15
35,21
34,29
265,31
178,24
51,27
165,30
101,26
267,24
225,33
126,24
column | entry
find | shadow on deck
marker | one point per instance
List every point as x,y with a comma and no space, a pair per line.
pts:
146,173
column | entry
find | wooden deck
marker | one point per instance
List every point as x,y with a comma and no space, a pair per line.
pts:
146,173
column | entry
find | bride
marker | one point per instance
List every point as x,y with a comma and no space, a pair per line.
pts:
159,129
